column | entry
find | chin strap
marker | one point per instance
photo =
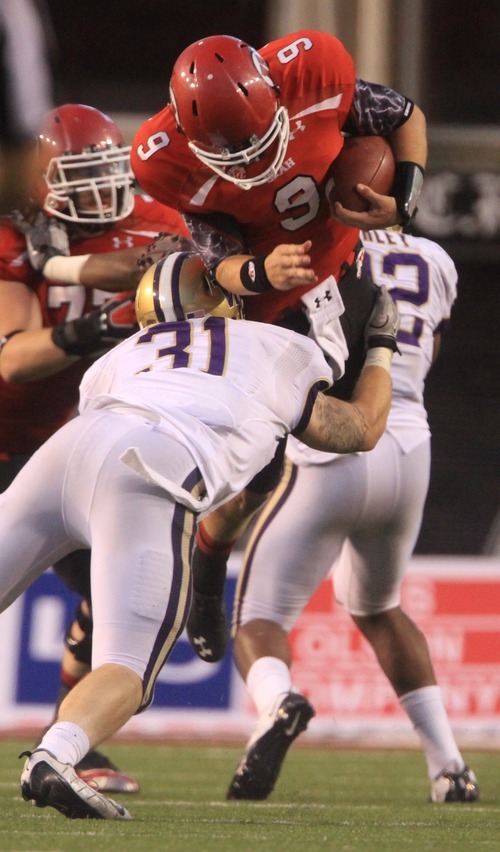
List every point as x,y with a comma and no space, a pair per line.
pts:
408,182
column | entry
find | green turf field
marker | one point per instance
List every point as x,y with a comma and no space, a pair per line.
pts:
325,799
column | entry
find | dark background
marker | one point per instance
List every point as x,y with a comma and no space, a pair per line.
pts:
118,54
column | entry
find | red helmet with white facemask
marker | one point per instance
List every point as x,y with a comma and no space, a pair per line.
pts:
228,107
86,175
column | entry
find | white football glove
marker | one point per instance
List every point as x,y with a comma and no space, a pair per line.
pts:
383,325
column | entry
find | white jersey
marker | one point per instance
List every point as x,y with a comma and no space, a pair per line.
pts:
366,506
226,389
174,419
422,278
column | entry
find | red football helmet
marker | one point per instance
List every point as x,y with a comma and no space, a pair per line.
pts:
228,107
86,175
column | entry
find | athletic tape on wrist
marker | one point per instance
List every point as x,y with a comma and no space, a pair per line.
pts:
253,275
379,356
65,269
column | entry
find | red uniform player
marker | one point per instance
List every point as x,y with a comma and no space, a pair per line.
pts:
60,264
243,151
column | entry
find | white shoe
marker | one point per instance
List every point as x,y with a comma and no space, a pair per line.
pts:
46,781
455,787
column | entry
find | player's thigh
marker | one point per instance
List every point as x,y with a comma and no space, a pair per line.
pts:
291,549
32,530
140,570
370,572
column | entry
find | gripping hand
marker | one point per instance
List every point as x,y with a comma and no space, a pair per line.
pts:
117,319
163,245
99,330
46,237
383,324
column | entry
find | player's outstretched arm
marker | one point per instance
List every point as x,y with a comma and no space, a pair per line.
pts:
286,267
345,427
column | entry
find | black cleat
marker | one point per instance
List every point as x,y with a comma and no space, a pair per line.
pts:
455,787
260,766
47,782
207,627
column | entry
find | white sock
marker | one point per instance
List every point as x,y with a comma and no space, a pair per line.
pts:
426,710
66,741
267,679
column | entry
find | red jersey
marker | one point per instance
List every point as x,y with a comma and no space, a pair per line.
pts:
316,78
31,412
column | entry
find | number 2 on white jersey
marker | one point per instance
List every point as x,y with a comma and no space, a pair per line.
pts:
394,263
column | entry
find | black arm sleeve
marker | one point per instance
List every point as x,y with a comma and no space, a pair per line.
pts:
215,236
376,110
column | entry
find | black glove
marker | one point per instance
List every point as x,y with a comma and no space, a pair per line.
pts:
382,327
46,237
163,245
97,331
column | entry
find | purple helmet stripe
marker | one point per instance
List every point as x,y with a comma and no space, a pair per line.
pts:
156,293
175,285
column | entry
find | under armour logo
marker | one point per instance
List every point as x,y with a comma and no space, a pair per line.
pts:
298,126
126,242
203,650
326,298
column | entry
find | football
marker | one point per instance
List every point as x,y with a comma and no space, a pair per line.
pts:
363,159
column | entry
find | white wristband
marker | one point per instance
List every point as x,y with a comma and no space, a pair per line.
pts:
379,356
65,269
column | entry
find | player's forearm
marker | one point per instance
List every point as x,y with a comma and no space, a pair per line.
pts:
228,273
30,355
355,426
286,267
372,398
113,271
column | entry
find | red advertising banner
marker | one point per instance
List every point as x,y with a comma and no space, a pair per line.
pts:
455,602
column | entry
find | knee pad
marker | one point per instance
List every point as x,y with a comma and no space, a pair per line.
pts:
81,649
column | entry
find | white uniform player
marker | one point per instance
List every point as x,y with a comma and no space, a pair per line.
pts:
175,420
198,433
369,507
